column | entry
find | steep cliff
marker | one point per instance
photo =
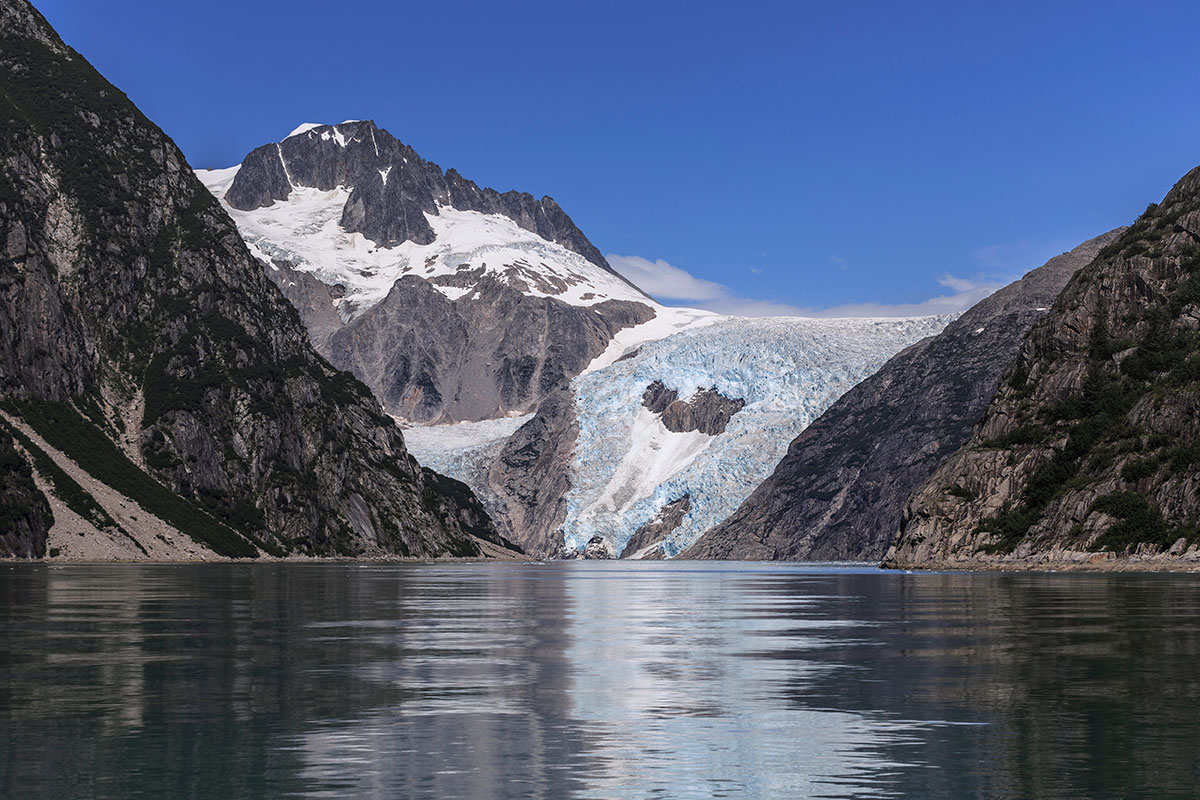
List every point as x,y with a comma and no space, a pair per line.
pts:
1090,450
839,491
487,354
140,337
528,482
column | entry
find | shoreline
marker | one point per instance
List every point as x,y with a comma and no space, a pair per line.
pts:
1095,565
1127,564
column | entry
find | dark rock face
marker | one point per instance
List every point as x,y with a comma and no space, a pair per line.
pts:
391,188
125,286
530,478
707,411
658,398
596,549
1090,450
839,492
490,353
657,529
25,516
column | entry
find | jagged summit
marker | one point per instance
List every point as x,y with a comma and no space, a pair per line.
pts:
411,217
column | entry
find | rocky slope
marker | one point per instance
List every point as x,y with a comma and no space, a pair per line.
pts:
492,353
451,302
1090,450
140,337
528,480
839,491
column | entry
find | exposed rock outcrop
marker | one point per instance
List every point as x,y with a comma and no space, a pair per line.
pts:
490,353
1090,449
312,299
126,286
530,479
646,542
839,491
707,411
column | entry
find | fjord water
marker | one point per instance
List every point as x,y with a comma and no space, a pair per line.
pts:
594,680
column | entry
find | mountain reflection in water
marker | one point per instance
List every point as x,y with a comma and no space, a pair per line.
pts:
594,680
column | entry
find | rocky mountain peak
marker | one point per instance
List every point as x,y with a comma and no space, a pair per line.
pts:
451,301
391,188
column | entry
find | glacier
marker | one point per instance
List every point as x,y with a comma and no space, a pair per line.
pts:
628,466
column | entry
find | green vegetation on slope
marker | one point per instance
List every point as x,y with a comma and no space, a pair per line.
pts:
22,505
66,429
1093,422
67,489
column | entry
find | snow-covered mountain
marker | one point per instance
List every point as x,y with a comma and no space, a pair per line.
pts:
450,301
306,232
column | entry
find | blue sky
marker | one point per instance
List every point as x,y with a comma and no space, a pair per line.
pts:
753,157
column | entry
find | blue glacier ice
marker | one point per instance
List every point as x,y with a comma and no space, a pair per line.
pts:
628,466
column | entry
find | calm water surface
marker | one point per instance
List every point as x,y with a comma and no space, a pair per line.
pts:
586,680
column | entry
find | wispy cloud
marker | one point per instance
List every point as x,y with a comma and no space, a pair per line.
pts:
670,284
964,293
660,279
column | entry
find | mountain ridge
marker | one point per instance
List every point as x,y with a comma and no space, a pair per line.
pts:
467,304
1089,454
392,190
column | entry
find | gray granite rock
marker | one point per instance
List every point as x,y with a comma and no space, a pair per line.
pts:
646,539
491,353
530,479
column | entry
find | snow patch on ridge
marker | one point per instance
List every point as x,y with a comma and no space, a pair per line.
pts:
428,442
304,128
667,320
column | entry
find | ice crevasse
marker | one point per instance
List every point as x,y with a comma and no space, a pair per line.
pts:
628,466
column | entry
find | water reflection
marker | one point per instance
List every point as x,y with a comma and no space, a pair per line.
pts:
593,680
